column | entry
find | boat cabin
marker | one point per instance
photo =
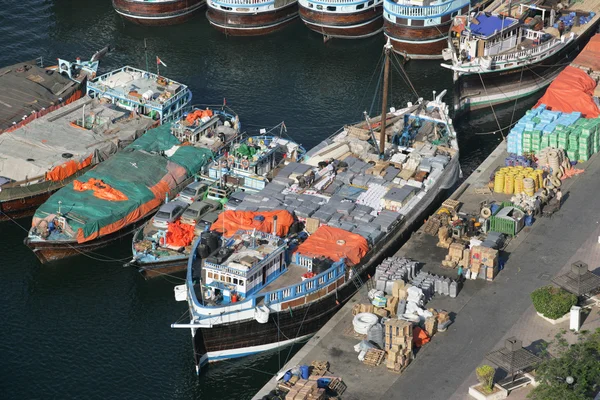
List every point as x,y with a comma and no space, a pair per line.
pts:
250,162
142,92
249,261
489,34
207,128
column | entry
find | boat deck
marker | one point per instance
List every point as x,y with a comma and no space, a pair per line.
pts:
27,88
585,6
292,276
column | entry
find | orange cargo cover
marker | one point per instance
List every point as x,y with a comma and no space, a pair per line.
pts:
571,91
232,221
179,234
335,243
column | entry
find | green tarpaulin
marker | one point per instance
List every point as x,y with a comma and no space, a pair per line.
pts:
133,171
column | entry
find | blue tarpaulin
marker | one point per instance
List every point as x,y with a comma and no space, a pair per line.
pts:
490,24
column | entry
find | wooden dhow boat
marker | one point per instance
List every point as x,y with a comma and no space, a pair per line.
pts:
276,269
158,12
343,19
251,17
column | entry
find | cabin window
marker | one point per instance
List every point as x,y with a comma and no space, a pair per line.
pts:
360,6
319,7
311,5
235,281
369,4
331,8
210,275
226,8
228,279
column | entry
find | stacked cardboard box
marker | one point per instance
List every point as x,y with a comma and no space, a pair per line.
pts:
443,320
444,239
398,344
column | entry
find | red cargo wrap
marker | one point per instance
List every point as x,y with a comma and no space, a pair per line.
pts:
335,243
590,55
229,222
571,91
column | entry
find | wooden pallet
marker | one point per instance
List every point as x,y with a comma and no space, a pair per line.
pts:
338,386
374,357
398,371
451,205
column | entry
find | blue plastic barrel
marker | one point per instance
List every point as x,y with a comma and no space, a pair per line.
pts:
287,376
494,207
304,371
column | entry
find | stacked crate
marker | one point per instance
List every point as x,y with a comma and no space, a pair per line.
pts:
398,344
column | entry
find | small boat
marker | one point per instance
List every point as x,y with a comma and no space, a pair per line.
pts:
502,54
273,271
160,250
116,197
212,128
143,92
251,17
344,20
158,12
418,29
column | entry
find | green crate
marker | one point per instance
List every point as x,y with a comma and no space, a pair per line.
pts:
502,225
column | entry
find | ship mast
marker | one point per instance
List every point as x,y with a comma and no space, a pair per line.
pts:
386,73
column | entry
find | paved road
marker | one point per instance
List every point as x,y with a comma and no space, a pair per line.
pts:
447,361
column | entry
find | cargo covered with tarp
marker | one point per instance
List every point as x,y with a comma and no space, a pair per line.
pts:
229,222
572,90
335,244
126,187
59,144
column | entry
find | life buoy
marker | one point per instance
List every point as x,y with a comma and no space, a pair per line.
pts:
245,164
486,212
262,142
231,161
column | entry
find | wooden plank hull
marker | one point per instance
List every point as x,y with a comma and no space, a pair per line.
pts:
47,251
26,201
418,42
345,26
158,13
246,24
160,268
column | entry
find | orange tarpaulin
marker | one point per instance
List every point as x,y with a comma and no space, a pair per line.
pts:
590,55
67,169
193,116
179,234
232,221
571,91
335,243
420,337
101,189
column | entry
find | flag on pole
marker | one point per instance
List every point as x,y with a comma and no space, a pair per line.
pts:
159,61
224,101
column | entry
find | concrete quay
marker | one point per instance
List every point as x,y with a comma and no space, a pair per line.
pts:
484,313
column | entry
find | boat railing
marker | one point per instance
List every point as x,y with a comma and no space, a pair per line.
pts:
306,287
405,9
527,53
225,268
533,35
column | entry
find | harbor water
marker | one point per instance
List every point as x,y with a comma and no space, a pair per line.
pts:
86,327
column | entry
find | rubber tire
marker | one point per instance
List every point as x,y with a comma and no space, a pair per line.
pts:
555,182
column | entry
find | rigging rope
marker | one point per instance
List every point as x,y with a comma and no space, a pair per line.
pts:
490,101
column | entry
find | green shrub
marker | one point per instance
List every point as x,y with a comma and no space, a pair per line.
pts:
552,302
485,374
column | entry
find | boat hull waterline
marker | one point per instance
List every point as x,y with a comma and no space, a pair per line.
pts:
355,25
158,13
